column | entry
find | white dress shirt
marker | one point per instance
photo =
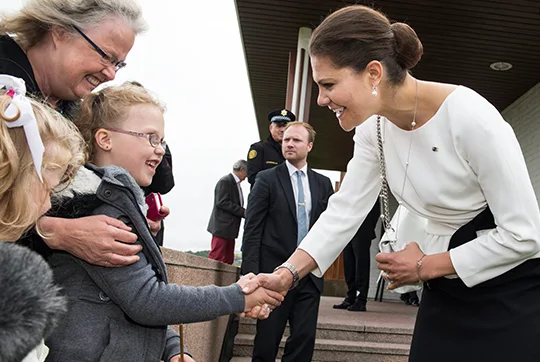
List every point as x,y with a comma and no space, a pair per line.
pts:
464,158
305,184
240,193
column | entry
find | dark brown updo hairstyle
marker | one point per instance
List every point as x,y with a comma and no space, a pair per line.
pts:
356,35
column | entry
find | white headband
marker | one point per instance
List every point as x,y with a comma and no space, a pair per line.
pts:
27,119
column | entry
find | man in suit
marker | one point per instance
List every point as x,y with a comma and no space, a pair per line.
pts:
227,213
263,155
283,204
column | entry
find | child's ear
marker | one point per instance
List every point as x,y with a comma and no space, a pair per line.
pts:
103,139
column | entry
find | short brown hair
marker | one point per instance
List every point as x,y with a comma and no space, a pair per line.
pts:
355,35
307,126
108,108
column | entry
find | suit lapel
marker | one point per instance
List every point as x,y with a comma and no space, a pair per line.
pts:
314,189
285,180
234,190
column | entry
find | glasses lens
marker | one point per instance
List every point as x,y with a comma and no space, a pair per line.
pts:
119,65
154,140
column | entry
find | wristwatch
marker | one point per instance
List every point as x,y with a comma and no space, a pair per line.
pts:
292,269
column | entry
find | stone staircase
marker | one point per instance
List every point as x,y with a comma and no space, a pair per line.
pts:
383,334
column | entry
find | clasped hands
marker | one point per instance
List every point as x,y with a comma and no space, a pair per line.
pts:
264,292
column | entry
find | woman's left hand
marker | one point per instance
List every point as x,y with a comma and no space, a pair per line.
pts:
178,359
400,268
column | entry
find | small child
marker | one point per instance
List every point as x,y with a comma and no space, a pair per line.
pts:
39,149
122,314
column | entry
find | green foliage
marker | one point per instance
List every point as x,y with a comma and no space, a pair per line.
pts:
203,253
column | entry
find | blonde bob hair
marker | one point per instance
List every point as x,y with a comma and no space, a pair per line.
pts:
109,108
64,147
37,17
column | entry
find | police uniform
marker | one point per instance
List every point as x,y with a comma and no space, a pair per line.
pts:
267,154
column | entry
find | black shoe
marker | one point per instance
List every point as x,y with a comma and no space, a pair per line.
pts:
405,298
343,305
358,306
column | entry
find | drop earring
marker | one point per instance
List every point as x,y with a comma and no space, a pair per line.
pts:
374,91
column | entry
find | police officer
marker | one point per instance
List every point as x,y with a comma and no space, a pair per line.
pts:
267,154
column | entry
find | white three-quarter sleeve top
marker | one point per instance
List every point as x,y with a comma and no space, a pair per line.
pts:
462,159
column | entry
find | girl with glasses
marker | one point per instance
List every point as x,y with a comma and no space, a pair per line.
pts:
122,314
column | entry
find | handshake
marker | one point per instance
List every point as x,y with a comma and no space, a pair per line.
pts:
264,292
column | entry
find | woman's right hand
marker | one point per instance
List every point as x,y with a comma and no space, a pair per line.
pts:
98,240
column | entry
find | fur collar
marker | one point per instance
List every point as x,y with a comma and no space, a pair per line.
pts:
87,180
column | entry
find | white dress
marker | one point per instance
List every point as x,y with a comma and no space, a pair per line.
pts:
464,158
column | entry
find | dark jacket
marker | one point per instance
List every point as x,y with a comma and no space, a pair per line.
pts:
14,62
263,155
121,314
227,212
271,229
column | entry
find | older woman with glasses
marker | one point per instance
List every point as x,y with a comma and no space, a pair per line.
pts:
63,50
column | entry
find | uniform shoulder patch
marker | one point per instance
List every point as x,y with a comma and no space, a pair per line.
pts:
252,154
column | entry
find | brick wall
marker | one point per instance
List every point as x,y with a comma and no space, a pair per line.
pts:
524,116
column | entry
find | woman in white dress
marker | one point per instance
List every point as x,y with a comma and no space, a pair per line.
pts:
450,158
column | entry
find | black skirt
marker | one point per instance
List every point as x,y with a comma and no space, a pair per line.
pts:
495,321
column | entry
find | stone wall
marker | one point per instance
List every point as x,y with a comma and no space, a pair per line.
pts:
203,340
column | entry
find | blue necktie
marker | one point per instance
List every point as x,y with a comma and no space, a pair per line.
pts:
301,210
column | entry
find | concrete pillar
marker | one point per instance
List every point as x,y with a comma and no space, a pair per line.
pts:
299,79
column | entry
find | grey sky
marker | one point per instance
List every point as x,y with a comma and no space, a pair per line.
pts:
192,58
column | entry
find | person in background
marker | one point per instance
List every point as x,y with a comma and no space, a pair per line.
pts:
357,263
263,155
283,204
227,213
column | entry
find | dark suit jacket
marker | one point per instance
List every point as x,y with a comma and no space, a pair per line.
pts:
271,229
227,212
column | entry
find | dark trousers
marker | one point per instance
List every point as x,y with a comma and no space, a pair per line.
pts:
300,308
356,257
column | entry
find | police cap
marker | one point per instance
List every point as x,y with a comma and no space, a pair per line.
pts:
282,116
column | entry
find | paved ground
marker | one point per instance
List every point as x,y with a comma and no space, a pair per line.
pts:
379,314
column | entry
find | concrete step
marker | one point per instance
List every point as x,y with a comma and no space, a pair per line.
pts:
346,332
327,350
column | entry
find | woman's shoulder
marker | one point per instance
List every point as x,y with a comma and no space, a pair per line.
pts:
465,100
469,111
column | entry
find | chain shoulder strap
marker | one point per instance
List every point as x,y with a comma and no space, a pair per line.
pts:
384,181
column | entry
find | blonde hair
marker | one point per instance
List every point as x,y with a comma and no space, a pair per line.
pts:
307,126
108,108
37,17
64,147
